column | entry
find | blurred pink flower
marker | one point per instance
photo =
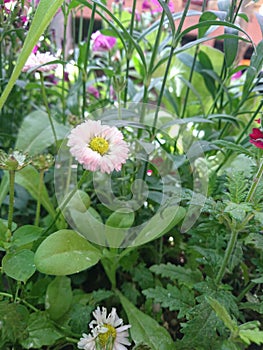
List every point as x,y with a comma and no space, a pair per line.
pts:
98,147
102,42
154,6
93,91
35,62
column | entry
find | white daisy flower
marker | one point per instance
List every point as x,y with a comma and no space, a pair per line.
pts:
107,333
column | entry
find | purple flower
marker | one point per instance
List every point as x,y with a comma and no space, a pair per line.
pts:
102,42
93,91
155,6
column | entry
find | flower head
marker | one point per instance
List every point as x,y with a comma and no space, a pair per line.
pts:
98,147
102,42
107,332
256,137
39,62
14,160
155,6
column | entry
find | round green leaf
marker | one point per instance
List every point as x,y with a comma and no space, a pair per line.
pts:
58,297
19,265
65,252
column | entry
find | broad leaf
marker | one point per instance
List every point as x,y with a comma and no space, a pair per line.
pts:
19,265
35,134
145,329
58,297
65,252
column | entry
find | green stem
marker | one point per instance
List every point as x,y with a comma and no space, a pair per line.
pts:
66,201
255,183
85,63
40,186
44,95
11,198
129,52
229,250
110,270
245,290
65,13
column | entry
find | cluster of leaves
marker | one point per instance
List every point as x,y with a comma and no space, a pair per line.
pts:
177,290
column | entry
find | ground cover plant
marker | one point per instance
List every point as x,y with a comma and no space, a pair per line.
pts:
131,165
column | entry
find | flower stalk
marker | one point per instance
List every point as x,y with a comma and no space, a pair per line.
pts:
45,100
11,198
255,183
40,187
229,250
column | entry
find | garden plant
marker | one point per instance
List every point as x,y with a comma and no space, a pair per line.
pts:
130,177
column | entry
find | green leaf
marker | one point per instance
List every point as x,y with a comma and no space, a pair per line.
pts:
145,329
256,239
222,313
29,179
122,218
46,9
233,147
19,265
13,320
173,298
230,46
25,235
237,211
181,274
58,297
161,223
254,69
65,252
200,331
35,134
41,332
205,16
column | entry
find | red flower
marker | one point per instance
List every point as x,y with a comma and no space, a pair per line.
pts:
256,137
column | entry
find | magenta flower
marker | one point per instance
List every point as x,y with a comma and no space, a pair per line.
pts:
102,42
256,137
98,147
35,62
93,91
155,6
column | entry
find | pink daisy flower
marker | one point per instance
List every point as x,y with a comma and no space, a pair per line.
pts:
98,147
108,331
35,62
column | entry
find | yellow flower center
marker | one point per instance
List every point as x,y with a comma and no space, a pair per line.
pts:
110,335
99,144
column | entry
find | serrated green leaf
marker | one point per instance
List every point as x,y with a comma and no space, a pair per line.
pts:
251,336
256,239
222,313
13,320
58,297
183,275
145,329
19,265
65,252
173,298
